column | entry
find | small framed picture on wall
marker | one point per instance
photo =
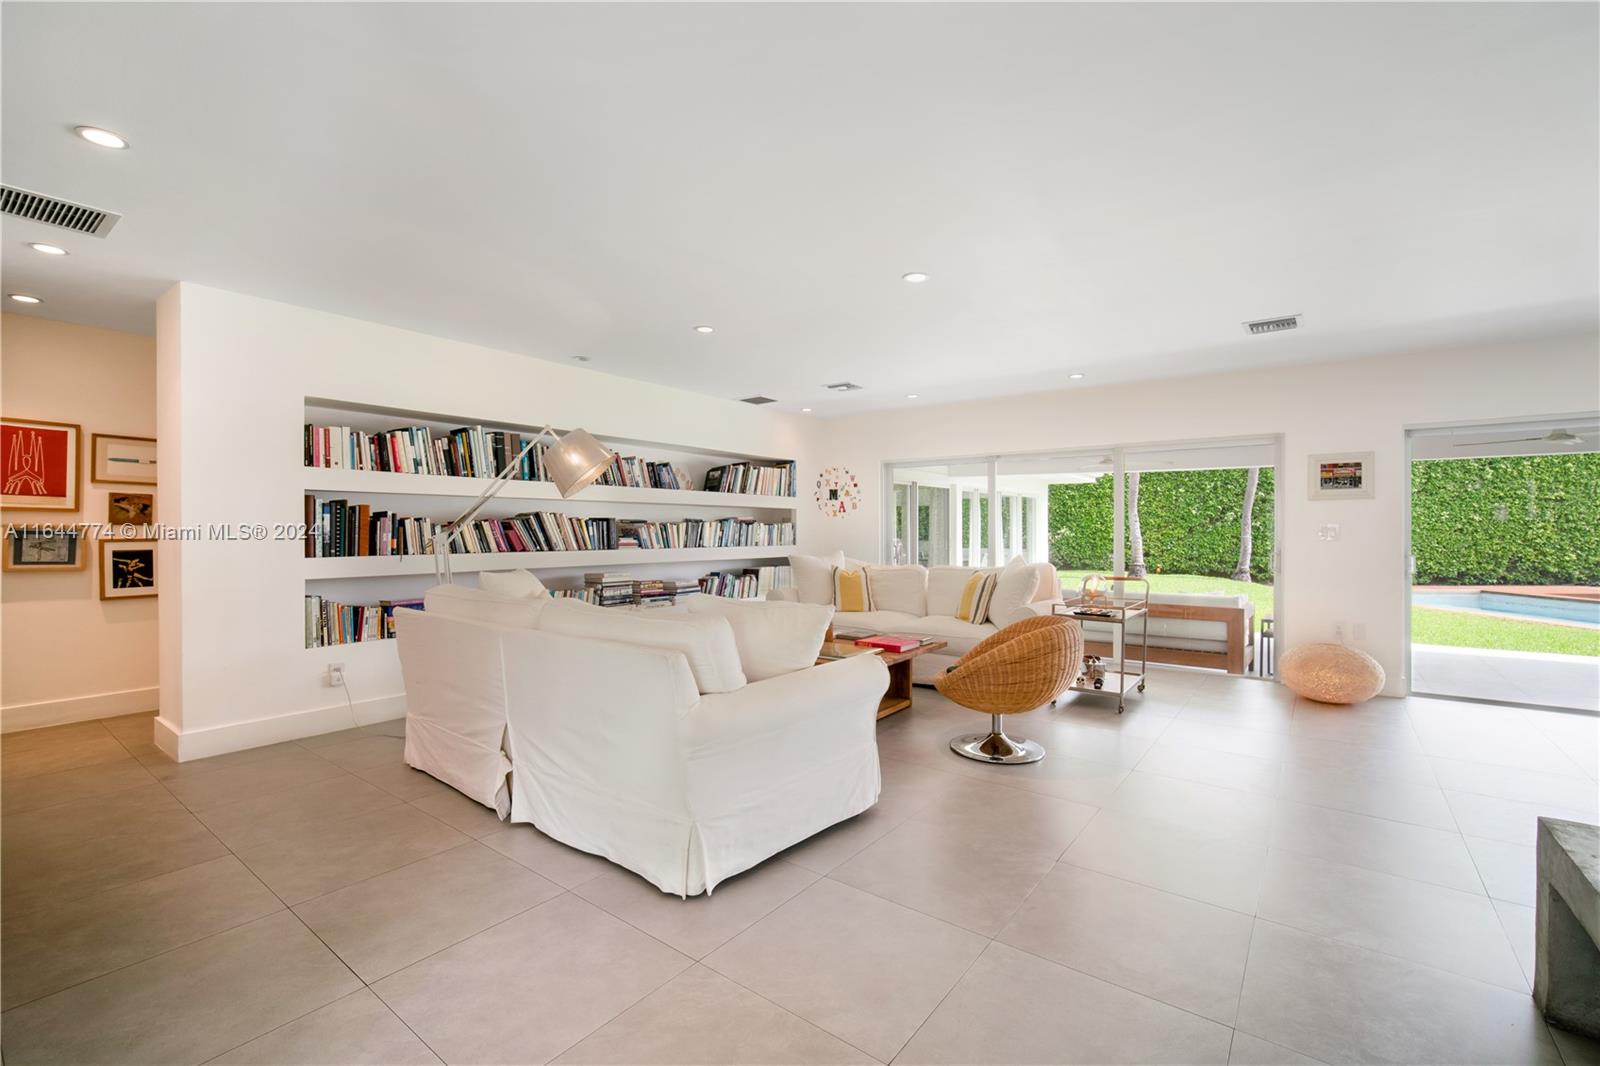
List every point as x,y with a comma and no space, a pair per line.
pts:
130,508
1341,476
45,548
39,465
127,569
123,460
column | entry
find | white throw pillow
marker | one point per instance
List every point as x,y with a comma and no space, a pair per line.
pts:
512,583
944,588
1013,592
773,638
1049,583
813,576
899,588
706,641
476,605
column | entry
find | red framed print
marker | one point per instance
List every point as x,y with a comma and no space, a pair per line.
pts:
39,465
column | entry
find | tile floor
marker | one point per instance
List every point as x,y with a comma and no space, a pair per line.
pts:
1513,676
1220,875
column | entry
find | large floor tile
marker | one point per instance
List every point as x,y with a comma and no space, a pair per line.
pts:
54,737
1248,773
1012,1007
1208,867
1381,723
1389,763
1523,786
358,1030
1180,951
166,768
866,970
529,988
187,1005
701,1017
55,947
132,729
1509,871
291,769
1506,820
1483,734
1518,922
330,855
460,813
1207,733
364,750
401,781
1439,927
1250,1050
1243,817
64,786
128,812
567,867
23,758
700,924
1413,851
260,818
1340,1003
384,923
1361,792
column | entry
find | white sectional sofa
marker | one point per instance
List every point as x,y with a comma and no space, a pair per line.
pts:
923,602
686,746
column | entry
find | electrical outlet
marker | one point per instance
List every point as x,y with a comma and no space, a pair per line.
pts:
335,675
1329,531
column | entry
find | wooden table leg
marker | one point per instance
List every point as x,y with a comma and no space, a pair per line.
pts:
898,695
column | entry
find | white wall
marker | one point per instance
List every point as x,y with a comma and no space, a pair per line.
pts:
70,656
1363,405
233,375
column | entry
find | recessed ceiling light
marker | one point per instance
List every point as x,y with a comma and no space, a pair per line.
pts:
1075,377
24,298
805,410
103,138
47,249
915,277
704,329
911,396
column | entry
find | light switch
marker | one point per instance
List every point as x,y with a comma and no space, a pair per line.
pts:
1328,531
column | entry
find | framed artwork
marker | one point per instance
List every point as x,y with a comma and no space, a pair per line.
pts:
130,508
39,465
45,548
1341,476
127,569
123,460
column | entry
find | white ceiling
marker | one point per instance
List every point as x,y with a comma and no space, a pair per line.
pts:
1101,188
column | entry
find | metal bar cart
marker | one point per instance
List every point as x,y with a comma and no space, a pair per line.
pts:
1116,604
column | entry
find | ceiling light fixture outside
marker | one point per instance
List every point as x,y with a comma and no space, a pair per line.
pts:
24,298
47,249
102,138
916,277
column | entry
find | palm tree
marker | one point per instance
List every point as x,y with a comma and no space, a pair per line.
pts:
1252,478
1136,567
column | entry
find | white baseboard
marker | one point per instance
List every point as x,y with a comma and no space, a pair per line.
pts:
78,709
237,736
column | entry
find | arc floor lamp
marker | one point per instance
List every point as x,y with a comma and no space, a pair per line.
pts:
575,460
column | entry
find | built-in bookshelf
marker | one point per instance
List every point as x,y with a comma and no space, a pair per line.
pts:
370,580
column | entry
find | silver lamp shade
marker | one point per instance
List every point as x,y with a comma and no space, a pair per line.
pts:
575,461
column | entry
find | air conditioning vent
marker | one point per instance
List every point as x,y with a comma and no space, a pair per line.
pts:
758,400
1273,325
80,218
843,386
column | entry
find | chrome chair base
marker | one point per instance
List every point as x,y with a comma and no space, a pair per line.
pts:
996,747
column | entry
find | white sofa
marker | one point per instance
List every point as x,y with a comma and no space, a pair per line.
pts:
922,602
610,745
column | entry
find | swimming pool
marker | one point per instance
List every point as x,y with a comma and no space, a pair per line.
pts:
1516,605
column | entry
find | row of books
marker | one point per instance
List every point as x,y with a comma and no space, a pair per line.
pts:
472,451
752,583
340,529
329,622
705,533
760,479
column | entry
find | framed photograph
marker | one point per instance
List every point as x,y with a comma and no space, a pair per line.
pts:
39,465
44,548
123,460
1341,476
127,569
130,508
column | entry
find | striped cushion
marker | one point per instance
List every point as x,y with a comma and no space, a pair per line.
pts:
975,597
851,592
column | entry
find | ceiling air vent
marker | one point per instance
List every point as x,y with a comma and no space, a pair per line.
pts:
843,386
758,400
1273,325
79,218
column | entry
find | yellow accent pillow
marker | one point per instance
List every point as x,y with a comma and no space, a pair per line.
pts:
975,597
850,590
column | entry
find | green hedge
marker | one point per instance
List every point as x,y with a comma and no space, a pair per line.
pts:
1519,520
1190,521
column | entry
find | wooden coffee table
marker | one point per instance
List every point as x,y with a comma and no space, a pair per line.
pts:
898,695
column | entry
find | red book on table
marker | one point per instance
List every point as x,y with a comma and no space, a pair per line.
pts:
890,642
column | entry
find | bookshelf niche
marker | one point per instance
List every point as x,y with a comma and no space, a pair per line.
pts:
685,533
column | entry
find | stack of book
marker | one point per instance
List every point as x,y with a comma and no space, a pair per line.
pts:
629,471
609,589
587,595
659,592
760,479
750,584
328,622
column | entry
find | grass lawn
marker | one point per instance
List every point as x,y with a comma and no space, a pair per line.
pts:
1429,625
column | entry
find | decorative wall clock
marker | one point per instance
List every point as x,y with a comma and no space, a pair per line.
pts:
838,492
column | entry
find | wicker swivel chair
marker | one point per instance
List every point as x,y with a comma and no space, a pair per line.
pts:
1024,666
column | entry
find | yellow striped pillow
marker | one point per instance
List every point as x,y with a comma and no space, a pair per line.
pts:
975,597
850,590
